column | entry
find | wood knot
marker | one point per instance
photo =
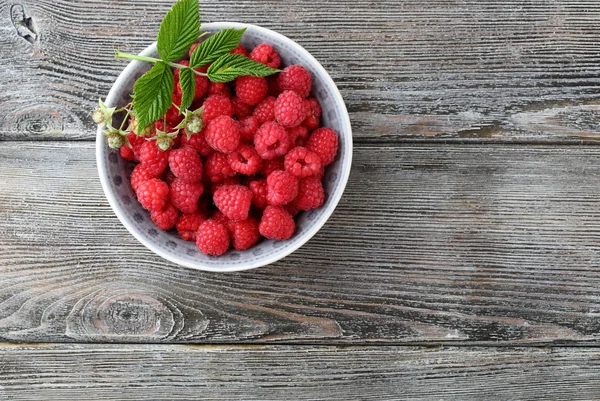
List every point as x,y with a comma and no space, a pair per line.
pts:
23,24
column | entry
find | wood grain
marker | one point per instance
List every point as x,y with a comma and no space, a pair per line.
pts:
408,70
430,244
136,372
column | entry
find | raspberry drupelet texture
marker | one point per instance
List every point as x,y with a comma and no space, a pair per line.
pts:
185,195
141,174
217,167
245,160
127,153
215,106
153,194
289,109
240,50
259,193
198,142
188,224
276,223
185,163
165,219
272,165
244,233
251,90
212,238
219,88
295,78
271,140
265,110
298,135
235,180
310,194
300,162
248,127
266,55
323,142
282,188
153,157
234,201
223,134
221,218
240,108
313,114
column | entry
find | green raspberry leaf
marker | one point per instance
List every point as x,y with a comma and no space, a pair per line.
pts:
187,81
215,46
178,30
230,66
152,94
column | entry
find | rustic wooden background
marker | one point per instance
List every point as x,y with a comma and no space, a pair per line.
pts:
462,263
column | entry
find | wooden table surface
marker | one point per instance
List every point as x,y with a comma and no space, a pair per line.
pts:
463,261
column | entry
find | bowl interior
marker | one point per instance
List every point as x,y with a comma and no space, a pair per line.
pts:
114,170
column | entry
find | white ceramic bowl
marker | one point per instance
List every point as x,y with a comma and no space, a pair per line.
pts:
114,171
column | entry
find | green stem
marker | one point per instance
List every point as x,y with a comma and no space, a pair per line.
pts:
124,120
119,54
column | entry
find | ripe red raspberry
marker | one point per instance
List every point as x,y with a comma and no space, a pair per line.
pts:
153,157
323,142
185,195
265,110
136,142
212,238
289,109
272,165
235,180
298,135
276,223
313,114
259,193
251,89
282,188
223,134
271,140
244,233
219,88
198,142
186,164
241,109
218,216
310,194
165,219
300,162
234,201
266,55
127,153
153,194
172,116
295,78
217,167
215,106
201,82
188,224
245,160
248,127
141,174
240,50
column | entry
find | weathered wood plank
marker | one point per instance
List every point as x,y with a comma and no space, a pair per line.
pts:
429,244
410,69
159,372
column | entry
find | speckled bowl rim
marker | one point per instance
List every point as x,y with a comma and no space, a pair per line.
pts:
331,202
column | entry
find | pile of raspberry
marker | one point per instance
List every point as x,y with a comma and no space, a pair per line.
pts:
257,163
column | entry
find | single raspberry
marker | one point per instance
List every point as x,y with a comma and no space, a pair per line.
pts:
153,194
259,193
223,134
140,174
235,180
271,140
201,81
323,142
217,167
301,162
219,88
186,164
265,110
188,224
289,109
173,116
244,233
273,86
212,238
127,153
153,157
251,90
282,188
198,142
185,195
266,55
241,109
298,135
234,201
215,106
218,216
295,78
272,165
245,160
313,114
240,50
248,127
165,219
276,223
310,194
